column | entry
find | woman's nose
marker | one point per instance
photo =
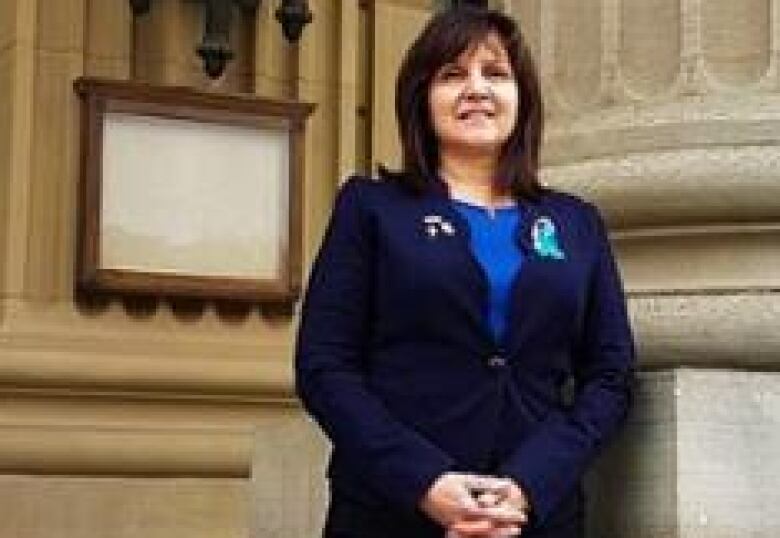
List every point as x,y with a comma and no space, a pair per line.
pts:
477,86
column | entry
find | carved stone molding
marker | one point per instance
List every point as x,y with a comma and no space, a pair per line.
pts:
123,507
725,119
162,351
114,435
121,451
686,186
663,124
728,329
152,375
700,259
604,53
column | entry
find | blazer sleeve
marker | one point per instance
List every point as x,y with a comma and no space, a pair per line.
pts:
550,463
330,358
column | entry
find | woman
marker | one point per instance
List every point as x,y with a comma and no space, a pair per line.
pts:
464,340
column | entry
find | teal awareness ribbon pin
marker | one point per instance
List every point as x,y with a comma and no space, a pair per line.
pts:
546,239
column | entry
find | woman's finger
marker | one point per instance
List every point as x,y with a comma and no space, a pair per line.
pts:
505,514
488,498
505,532
481,483
472,527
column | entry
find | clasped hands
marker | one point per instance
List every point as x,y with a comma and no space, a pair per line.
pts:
475,506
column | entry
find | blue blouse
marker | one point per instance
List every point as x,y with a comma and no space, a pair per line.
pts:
494,246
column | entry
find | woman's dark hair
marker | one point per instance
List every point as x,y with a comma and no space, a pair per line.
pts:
445,37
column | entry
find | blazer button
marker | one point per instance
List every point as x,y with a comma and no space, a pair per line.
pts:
496,361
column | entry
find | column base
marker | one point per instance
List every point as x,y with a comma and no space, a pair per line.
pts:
700,457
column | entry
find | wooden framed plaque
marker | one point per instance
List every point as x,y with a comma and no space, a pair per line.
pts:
186,193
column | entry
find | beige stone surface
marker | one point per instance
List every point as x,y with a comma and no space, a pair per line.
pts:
120,507
7,25
630,166
711,258
109,40
737,329
6,115
363,106
395,27
275,61
52,186
578,52
697,460
321,143
528,14
735,37
319,46
728,438
181,466
149,450
317,82
14,228
163,42
659,41
160,353
289,493
352,77
101,433
631,490
59,26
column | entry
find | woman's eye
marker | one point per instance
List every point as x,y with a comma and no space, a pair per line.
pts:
450,73
497,72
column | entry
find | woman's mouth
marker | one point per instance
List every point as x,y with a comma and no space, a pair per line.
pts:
475,114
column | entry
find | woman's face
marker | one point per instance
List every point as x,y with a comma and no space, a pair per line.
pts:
474,100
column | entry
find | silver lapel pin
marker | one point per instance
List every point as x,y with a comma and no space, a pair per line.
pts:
435,224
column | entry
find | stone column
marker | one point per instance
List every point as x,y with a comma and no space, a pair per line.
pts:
17,57
666,114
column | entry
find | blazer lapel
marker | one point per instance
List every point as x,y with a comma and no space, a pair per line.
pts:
529,212
526,294
475,295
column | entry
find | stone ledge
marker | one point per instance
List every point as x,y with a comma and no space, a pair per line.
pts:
92,450
728,329
675,187
112,435
700,259
123,507
111,371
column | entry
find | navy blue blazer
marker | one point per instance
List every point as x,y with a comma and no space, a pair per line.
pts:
396,361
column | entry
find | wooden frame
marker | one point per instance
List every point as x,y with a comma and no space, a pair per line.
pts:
149,177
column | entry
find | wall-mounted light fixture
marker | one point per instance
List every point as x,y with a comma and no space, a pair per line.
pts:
449,4
478,3
214,48
293,16
139,7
